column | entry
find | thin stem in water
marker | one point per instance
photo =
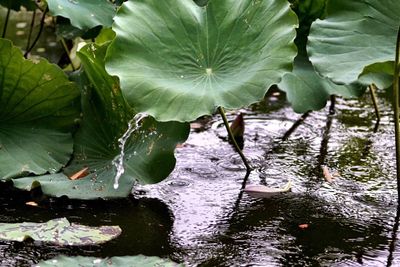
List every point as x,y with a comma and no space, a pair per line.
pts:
372,89
6,23
31,30
332,110
67,52
295,125
39,33
232,138
396,102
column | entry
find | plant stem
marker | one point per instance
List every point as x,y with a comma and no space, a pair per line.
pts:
392,245
332,106
67,52
396,109
295,125
39,33
31,30
232,138
6,23
372,89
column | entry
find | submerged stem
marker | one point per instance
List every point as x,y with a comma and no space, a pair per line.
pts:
6,23
39,33
232,138
396,109
372,89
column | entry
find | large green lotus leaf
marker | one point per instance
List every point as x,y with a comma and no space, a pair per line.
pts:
124,261
180,63
16,4
354,35
38,105
58,231
381,74
148,152
84,14
306,90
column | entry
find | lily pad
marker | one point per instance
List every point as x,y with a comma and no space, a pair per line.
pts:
38,106
58,231
148,152
183,62
84,14
354,35
125,261
306,90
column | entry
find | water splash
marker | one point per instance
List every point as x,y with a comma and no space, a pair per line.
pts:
118,161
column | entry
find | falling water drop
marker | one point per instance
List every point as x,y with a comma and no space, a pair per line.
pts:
118,161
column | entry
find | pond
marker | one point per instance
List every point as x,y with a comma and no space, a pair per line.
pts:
200,216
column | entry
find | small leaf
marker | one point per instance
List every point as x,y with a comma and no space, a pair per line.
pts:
306,90
327,175
304,226
32,203
263,191
58,231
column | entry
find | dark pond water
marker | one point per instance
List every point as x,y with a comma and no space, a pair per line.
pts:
199,215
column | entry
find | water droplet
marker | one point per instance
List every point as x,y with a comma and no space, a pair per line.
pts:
209,71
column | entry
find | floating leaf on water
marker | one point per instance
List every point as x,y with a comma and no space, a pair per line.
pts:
327,175
125,261
304,226
32,203
58,231
263,191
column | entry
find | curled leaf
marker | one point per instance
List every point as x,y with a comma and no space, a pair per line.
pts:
263,191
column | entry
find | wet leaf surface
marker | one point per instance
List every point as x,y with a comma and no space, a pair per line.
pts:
58,231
